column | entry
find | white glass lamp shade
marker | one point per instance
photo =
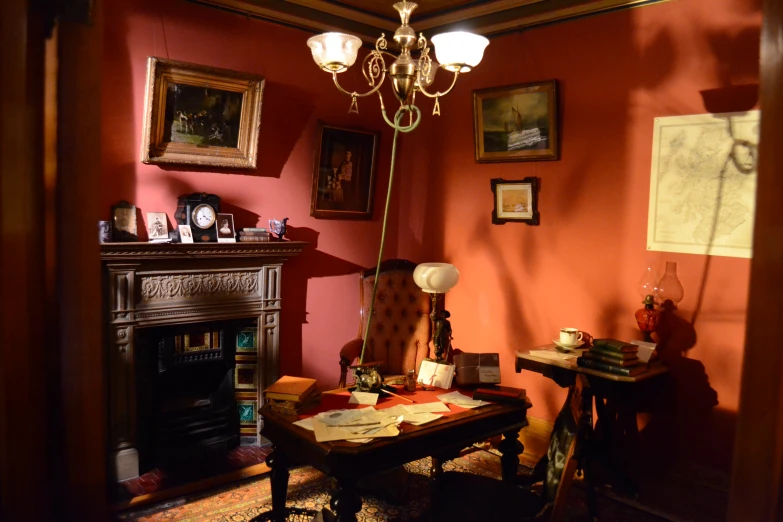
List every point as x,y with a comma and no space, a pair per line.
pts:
459,51
436,278
334,52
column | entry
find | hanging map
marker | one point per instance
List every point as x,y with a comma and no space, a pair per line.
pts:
703,184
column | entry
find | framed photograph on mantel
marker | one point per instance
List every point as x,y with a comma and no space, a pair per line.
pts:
515,201
516,123
200,115
344,174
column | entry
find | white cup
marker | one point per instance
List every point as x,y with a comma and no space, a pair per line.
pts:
570,336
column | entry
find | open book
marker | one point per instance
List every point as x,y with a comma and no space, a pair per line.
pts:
435,374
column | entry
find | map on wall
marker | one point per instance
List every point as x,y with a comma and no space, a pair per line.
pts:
703,184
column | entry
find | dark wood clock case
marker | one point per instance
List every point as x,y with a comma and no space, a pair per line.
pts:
183,215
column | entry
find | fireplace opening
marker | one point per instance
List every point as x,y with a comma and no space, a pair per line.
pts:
189,401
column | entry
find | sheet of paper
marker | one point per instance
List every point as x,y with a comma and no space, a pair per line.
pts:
358,397
305,423
427,407
463,401
354,424
417,419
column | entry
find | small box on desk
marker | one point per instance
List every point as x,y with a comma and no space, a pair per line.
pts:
474,369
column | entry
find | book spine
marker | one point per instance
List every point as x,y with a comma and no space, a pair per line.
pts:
251,239
612,360
249,229
614,345
614,355
609,368
253,234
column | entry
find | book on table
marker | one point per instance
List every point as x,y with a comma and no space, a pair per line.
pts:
613,345
291,407
294,389
629,371
500,394
614,355
621,362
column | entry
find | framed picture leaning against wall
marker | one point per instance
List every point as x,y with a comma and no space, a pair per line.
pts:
344,173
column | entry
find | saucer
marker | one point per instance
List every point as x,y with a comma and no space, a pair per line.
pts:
568,347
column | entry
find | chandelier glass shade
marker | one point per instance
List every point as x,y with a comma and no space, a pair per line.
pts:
458,52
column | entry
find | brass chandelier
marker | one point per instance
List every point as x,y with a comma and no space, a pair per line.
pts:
458,52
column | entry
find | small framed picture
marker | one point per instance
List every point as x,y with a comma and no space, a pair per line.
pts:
225,228
157,226
516,123
515,201
185,234
123,216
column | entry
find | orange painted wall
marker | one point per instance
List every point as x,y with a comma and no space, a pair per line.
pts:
520,284
320,289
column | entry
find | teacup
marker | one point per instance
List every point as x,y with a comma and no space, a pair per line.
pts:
570,336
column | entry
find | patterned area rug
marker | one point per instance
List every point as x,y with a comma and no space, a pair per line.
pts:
405,500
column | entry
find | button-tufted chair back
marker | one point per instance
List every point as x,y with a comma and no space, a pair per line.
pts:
400,331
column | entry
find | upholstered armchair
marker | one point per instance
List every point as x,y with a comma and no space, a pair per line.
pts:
400,333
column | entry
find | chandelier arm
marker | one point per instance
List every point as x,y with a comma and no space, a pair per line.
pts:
438,94
358,95
397,129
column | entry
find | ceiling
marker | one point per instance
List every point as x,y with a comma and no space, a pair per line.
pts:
367,19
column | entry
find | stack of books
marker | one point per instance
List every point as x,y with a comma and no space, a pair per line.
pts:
292,395
254,235
613,356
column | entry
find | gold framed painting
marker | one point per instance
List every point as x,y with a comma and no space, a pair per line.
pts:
200,115
344,173
516,123
515,201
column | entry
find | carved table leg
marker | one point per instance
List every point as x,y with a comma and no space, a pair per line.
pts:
510,448
277,461
436,483
345,501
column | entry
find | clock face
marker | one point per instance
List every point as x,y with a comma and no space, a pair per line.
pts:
203,216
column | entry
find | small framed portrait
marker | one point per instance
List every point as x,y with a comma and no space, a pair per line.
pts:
516,123
124,227
200,115
157,226
225,228
185,234
515,201
344,174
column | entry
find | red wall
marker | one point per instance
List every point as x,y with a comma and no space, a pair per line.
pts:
320,289
580,267
519,284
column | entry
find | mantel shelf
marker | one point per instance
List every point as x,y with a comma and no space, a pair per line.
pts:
139,251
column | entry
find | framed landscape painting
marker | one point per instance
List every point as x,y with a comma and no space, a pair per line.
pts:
515,201
200,115
344,173
516,123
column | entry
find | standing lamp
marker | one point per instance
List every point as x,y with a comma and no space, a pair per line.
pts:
437,279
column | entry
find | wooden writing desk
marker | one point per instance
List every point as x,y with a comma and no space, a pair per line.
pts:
615,434
348,462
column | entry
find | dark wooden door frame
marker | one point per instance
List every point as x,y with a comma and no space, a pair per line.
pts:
758,449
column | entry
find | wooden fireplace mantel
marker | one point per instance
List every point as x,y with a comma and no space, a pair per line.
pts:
150,285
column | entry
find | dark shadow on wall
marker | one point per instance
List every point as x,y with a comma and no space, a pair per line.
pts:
311,263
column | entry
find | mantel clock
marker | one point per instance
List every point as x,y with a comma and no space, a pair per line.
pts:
199,210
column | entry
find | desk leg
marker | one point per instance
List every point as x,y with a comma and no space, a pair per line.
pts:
277,461
510,448
345,501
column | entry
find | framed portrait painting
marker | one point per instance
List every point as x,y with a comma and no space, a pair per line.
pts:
344,173
515,201
516,123
200,115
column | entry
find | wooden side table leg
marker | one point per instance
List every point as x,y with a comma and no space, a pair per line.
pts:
436,479
277,461
510,449
345,501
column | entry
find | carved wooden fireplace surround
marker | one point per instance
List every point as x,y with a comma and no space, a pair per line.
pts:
173,284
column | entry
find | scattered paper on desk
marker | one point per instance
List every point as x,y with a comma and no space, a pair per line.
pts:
417,419
358,397
354,424
463,401
427,407
305,423
558,356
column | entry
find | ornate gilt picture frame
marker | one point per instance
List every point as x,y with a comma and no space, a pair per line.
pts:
200,115
516,123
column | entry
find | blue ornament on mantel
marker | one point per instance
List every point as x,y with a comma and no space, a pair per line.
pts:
278,227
